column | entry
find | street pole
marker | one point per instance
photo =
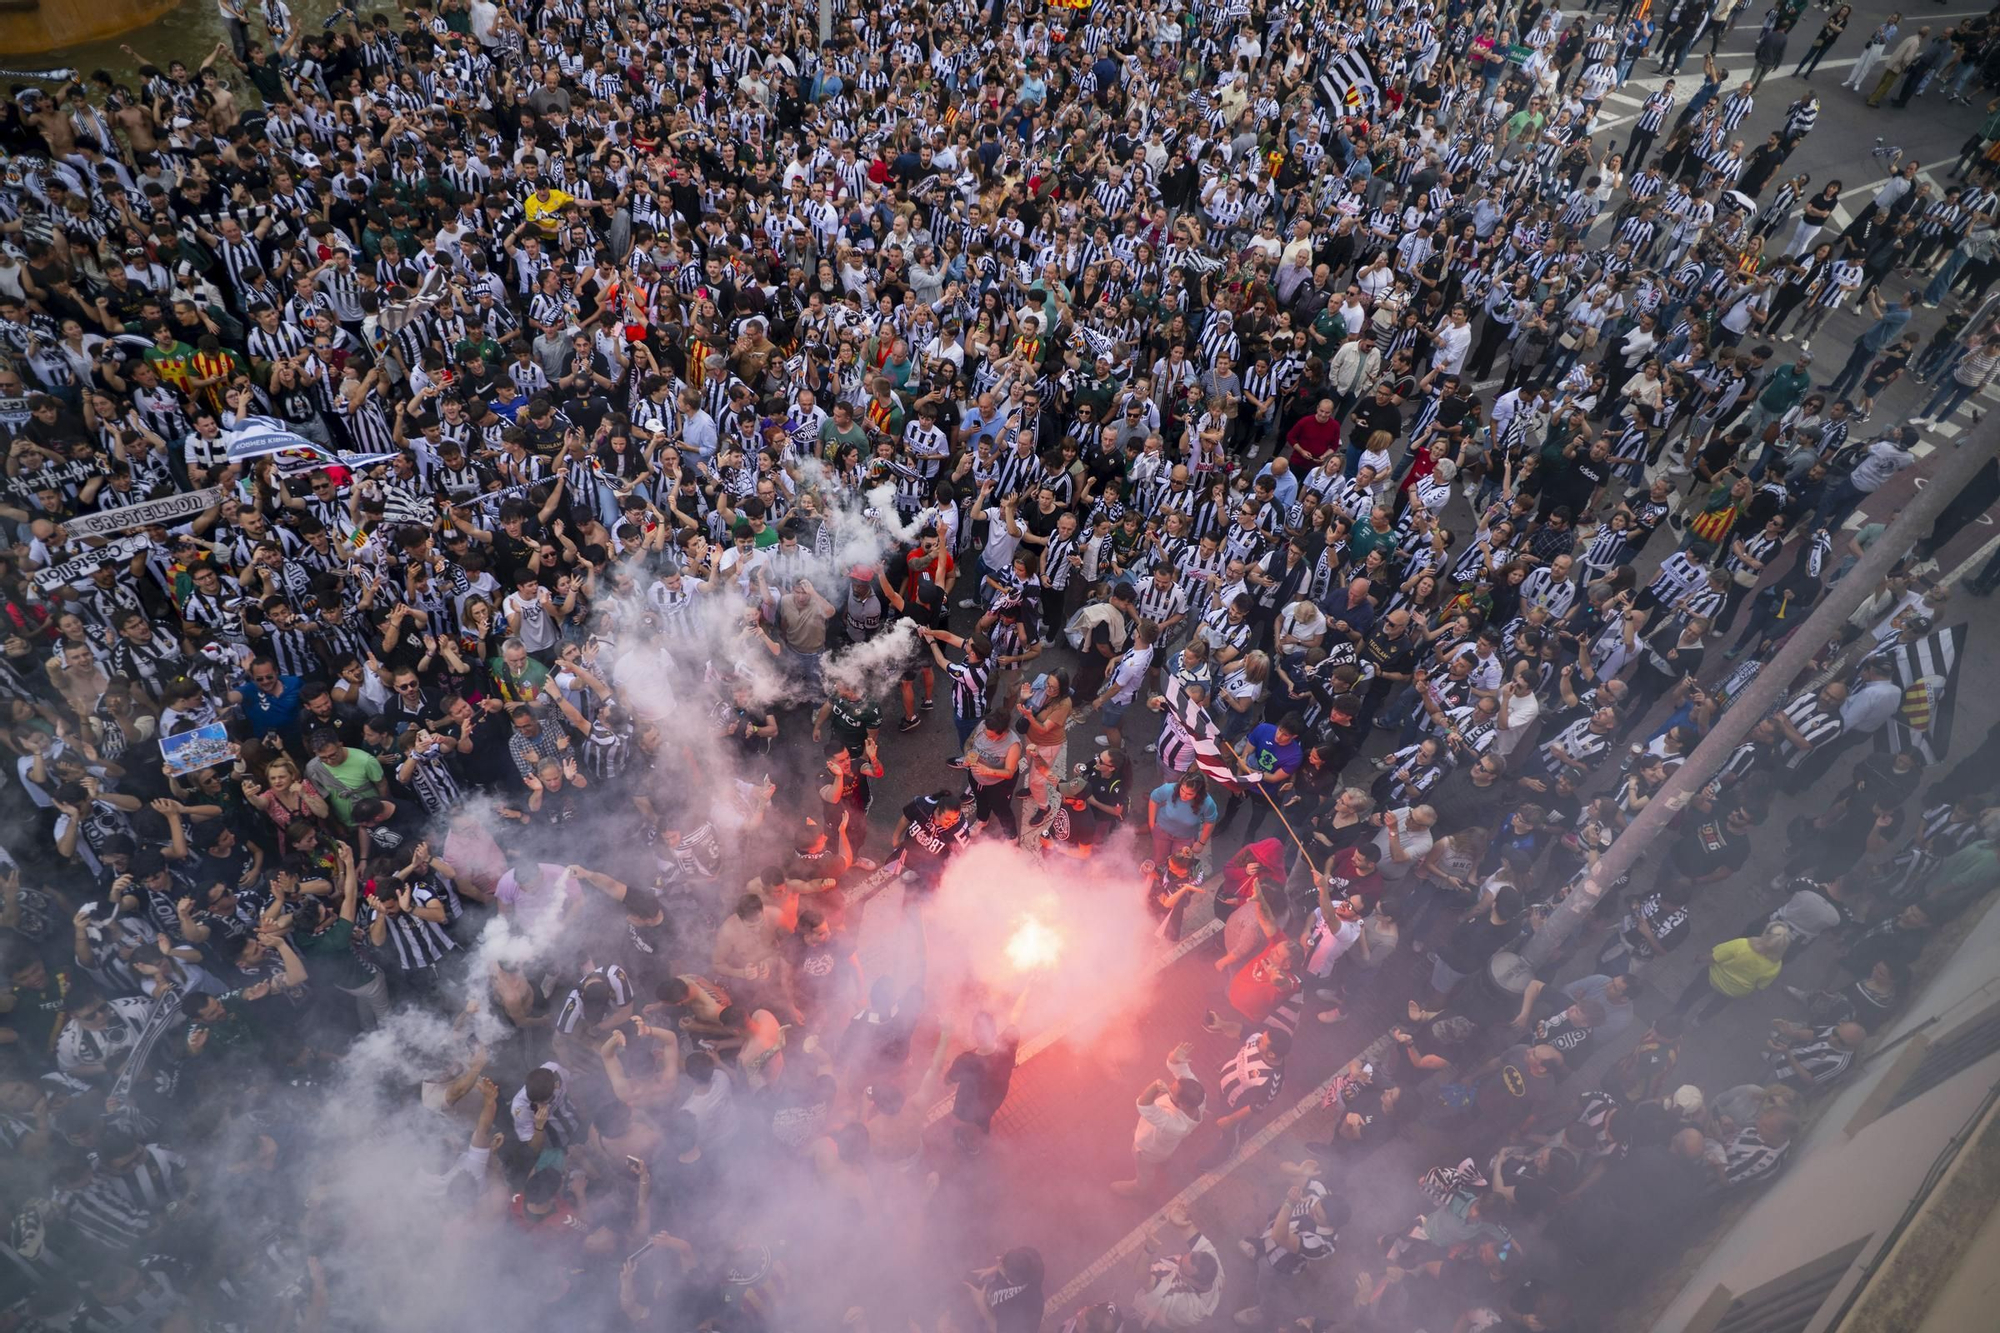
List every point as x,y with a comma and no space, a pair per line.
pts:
1771,689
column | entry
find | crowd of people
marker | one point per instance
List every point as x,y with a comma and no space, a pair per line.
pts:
481,483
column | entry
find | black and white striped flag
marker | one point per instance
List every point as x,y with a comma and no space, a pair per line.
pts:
402,505
1347,85
398,313
1207,742
1928,673
1086,339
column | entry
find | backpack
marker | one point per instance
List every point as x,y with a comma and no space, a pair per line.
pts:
1085,622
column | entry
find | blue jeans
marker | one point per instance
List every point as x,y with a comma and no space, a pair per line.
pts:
1946,400
1351,451
1941,281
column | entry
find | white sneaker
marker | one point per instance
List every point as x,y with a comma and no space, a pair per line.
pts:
1102,740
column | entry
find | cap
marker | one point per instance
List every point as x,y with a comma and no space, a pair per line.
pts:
1688,1101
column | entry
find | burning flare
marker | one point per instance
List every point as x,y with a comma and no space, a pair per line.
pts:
1033,946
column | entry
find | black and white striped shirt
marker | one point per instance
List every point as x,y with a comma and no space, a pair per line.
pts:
418,943
1747,1158
1758,546
968,688
283,340
1678,574
1579,742
1813,722
1543,588
1160,605
570,1017
1822,1059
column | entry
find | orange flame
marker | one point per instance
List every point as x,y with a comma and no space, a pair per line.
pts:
1034,946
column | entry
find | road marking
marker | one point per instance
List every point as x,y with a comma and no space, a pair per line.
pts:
1965,566
1135,1239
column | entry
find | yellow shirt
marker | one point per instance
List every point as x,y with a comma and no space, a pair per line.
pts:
1736,969
542,211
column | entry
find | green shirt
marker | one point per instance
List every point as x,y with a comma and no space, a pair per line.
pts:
1328,327
1966,875
358,771
831,437
1786,388
1531,121
1365,538
329,956
852,720
484,348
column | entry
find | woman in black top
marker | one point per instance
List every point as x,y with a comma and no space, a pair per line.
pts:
1829,33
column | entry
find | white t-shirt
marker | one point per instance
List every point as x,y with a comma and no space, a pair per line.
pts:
1521,716
1452,345
1129,672
1416,845
538,627
482,14
1000,543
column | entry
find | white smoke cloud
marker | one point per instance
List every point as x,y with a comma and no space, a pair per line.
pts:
873,668
399,1254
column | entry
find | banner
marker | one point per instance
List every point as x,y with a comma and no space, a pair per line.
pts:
490,501
173,507
62,476
78,567
191,751
298,462
253,437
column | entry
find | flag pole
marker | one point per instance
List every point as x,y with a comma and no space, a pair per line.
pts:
1236,761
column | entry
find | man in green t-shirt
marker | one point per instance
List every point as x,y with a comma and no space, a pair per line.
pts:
839,429
343,774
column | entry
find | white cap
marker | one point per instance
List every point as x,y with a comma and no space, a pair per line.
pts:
1687,1100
